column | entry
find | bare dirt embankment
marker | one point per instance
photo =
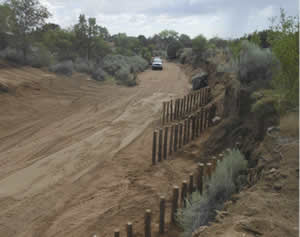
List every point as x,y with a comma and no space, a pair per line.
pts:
75,154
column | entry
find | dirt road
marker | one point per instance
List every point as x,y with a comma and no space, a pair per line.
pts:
75,154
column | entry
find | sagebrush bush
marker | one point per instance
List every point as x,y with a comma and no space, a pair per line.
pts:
65,67
255,63
12,55
99,74
201,209
39,56
186,55
124,68
84,66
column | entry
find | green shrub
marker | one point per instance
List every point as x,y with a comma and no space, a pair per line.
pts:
82,65
201,209
65,68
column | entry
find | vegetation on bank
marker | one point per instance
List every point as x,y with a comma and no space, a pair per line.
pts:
227,179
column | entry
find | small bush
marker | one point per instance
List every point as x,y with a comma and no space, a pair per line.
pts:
84,66
40,57
124,68
65,68
186,55
201,209
12,55
99,74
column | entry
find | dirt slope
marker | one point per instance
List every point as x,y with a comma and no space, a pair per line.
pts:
271,206
75,153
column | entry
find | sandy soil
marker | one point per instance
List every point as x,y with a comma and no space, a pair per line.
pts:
75,154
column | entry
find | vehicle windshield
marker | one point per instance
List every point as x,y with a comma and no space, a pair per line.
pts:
157,60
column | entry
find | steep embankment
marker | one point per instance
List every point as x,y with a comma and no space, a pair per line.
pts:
269,203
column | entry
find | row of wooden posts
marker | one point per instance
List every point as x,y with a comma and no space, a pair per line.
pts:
175,136
179,199
180,108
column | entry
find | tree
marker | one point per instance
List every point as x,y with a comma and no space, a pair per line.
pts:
284,41
28,15
185,40
89,37
199,44
6,17
173,48
81,35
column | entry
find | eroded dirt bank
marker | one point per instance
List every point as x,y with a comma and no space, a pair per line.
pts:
75,154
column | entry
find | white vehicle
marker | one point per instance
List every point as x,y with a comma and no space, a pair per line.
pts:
157,64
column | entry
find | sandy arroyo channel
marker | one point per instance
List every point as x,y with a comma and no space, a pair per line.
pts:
75,154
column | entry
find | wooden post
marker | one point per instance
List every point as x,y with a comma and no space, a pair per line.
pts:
166,142
164,113
175,137
191,184
221,157
154,147
185,132
148,223
160,138
180,136
188,130
184,105
162,215
117,233
168,111
129,230
200,99
171,140
178,109
174,204
208,94
184,193
214,163
209,169
193,127
175,109
205,117
171,111
188,104
197,124
201,120
200,177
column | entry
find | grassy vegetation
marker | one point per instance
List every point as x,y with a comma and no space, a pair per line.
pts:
226,180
